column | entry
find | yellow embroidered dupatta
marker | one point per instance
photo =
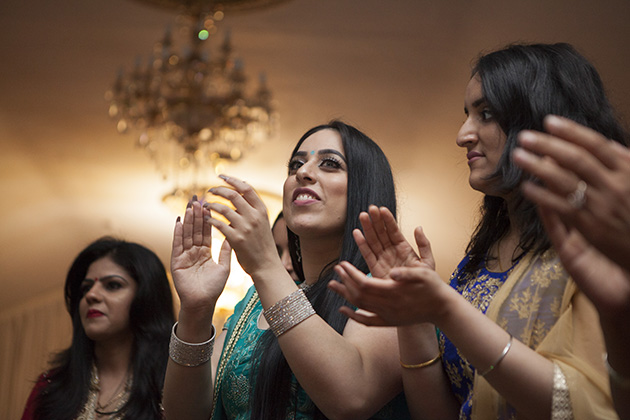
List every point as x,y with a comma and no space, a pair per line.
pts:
541,306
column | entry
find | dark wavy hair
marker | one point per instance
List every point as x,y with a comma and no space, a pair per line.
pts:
151,317
523,83
370,181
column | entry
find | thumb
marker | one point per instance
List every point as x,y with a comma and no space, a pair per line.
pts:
424,247
225,254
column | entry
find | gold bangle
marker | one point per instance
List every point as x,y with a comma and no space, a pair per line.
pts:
423,364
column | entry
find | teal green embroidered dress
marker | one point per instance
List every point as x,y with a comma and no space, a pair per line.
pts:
232,386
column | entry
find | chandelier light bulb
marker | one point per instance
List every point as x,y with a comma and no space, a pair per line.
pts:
189,107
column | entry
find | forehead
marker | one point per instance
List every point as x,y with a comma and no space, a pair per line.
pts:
323,139
474,90
105,266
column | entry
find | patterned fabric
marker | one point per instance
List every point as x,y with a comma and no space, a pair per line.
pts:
560,399
478,289
542,307
233,380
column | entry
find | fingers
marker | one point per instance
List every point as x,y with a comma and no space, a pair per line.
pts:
178,246
595,143
547,170
393,231
556,229
245,192
364,247
382,239
187,240
547,198
198,224
194,231
368,221
365,292
380,228
207,228
424,247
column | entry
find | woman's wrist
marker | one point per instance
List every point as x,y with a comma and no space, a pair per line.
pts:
195,325
271,271
450,309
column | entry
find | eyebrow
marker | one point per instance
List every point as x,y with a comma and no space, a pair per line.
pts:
324,152
107,278
476,103
480,101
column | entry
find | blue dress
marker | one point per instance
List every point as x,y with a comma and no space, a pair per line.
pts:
478,288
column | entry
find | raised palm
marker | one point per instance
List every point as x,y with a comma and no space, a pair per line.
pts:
384,247
198,278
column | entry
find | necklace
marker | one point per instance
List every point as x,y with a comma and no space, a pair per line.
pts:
113,407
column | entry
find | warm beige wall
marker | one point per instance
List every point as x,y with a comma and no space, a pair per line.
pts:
28,335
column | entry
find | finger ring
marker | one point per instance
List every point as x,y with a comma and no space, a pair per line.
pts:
577,198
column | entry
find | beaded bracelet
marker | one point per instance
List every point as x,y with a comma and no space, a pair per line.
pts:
615,377
423,364
190,354
288,312
503,353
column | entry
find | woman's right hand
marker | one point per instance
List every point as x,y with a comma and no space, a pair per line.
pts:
198,279
384,247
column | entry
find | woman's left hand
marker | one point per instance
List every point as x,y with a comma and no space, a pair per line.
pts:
411,295
603,281
586,182
248,231
383,246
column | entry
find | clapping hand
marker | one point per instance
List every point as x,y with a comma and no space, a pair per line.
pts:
198,279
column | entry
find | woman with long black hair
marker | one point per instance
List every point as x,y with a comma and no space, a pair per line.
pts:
516,338
287,351
118,296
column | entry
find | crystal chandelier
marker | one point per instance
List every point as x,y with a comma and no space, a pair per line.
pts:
190,106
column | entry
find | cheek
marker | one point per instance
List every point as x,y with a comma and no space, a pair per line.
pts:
341,191
82,306
286,198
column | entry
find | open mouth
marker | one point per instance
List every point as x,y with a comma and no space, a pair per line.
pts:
304,195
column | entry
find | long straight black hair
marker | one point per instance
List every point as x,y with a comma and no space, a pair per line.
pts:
522,84
370,181
151,318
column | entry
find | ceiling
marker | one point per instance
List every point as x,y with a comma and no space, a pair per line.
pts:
397,69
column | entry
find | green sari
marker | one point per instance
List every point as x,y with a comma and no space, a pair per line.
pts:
232,383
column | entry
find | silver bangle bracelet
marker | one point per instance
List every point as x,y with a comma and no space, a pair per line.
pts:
288,312
615,377
190,354
500,358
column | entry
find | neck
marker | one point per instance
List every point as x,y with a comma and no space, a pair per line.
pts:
505,248
113,357
316,254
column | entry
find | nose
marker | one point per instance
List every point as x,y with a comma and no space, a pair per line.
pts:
94,293
305,173
467,134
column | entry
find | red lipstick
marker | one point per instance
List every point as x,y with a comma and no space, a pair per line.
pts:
93,313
